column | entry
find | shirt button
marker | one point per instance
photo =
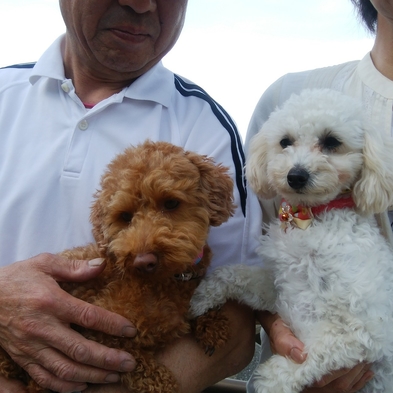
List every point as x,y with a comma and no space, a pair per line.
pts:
83,125
65,87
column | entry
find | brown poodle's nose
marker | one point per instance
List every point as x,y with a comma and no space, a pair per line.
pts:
146,262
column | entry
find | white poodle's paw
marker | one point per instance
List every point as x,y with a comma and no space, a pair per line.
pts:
250,285
277,375
209,294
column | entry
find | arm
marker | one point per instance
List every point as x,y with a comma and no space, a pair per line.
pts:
35,318
283,342
194,369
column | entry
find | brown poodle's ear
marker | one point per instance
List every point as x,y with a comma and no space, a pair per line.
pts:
256,167
218,187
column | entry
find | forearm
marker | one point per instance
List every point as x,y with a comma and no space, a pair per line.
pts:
195,370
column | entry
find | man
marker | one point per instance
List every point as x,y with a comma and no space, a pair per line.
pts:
96,90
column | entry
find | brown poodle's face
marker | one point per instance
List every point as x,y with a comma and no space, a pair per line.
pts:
153,213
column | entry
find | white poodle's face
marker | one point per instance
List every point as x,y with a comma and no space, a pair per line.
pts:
308,152
312,164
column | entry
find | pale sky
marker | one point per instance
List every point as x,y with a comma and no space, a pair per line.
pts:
233,49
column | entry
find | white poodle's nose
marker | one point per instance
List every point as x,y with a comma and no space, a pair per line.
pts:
146,262
297,178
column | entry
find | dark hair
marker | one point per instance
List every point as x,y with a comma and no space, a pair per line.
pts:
367,13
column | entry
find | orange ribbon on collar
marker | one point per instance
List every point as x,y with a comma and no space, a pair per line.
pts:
301,217
298,216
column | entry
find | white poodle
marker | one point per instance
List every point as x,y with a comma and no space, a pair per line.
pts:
330,271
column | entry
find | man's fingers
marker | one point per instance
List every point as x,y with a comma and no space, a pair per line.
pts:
57,302
49,381
89,352
48,326
68,270
78,312
35,325
72,310
68,370
64,352
74,362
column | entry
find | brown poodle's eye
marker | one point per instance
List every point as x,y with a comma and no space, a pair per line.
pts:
285,142
331,143
126,216
171,204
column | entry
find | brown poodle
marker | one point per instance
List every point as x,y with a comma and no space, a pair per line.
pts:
151,221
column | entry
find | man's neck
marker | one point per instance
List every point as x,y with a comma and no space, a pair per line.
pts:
382,51
92,90
94,84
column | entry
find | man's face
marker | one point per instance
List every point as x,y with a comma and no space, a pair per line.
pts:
123,36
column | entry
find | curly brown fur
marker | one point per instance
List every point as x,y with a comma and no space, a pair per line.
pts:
156,200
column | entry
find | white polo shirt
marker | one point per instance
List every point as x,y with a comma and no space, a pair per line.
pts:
53,152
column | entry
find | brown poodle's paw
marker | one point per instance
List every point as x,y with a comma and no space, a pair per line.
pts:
211,330
149,376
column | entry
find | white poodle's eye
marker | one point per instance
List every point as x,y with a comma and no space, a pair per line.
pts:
171,204
331,143
285,142
126,216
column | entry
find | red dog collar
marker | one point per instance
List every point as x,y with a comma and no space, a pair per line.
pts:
192,275
301,217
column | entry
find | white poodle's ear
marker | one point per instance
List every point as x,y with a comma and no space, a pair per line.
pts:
256,167
373,192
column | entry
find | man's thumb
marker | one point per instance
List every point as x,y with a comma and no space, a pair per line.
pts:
71,270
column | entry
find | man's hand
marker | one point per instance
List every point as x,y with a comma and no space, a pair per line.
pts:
35,318
192,367
284,343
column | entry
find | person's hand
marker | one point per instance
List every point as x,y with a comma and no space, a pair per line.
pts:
284,343
35,318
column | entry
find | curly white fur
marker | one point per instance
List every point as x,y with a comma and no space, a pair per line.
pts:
334,280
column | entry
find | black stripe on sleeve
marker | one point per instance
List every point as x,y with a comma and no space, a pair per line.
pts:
187,89
24,65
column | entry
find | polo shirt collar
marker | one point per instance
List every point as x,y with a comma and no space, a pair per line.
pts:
50,64
155,85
